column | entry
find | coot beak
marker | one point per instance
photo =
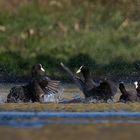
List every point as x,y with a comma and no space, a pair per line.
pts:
136,84
79,70
42,69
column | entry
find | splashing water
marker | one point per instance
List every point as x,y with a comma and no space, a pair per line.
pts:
79,99
53,98
50,98
2,99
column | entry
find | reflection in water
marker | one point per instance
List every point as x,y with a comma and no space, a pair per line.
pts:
39,119
2,99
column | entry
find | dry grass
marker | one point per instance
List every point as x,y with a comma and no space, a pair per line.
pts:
74,107
73,132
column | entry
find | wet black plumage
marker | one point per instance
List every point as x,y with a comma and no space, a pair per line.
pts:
39,85
23,93
48,86
127,96
103,91
30,92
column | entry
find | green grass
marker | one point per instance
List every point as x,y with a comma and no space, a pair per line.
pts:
100,34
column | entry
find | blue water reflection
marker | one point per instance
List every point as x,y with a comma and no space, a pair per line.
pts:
39,119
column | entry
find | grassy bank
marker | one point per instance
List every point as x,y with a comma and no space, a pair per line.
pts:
70,107
102,34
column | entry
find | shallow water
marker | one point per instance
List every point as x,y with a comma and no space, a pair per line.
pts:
68,92
40,119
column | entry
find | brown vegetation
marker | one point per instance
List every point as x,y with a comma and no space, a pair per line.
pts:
77,107
74,132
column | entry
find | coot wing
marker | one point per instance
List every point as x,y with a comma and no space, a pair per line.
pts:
109,87
81,83
50,86
113,87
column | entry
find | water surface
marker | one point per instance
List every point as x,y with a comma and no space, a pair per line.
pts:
39,119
